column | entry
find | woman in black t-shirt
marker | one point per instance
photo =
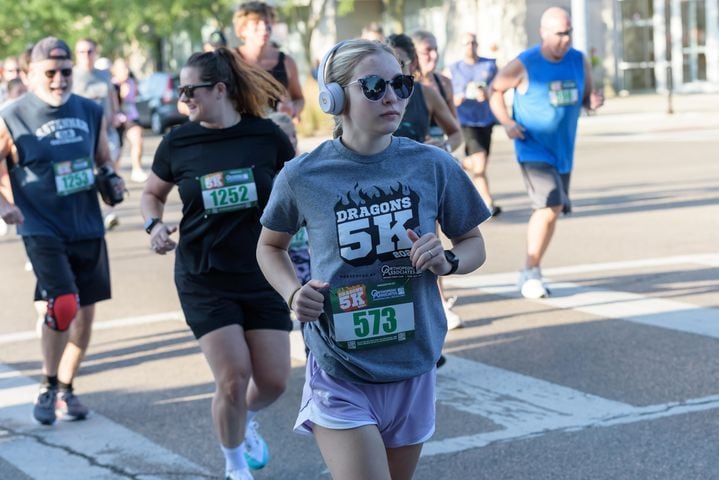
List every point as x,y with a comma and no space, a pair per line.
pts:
223,163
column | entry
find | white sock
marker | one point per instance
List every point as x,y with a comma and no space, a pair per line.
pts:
234,458
250,416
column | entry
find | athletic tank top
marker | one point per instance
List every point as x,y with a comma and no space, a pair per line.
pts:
279,72
438,82
52,183
550,108
415,122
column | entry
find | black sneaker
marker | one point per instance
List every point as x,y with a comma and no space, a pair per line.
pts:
44,410
441,361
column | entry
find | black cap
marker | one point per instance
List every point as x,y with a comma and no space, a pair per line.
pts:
50,48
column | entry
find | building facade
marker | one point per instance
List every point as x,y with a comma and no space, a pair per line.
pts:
635,45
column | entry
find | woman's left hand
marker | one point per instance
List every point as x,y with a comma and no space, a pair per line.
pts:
428,253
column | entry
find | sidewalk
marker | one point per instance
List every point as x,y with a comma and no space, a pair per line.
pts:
658,103
649,113
633,114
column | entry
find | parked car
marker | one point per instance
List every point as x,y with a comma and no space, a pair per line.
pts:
157,102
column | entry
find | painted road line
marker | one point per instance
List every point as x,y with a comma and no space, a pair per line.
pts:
707,259
611,304
517,401
92,450
527,407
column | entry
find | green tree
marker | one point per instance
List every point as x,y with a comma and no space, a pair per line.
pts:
118,26
305,17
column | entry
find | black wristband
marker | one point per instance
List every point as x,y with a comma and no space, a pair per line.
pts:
453,261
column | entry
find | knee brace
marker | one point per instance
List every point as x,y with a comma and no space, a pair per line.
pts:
61,311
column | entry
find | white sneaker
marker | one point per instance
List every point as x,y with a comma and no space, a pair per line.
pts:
111,221
531,283
138,175
3,227
256,453
243,474
453,320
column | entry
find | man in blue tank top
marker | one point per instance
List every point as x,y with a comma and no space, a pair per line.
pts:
551,83
471,78
50,143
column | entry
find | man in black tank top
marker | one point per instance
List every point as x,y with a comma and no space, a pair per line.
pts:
51,141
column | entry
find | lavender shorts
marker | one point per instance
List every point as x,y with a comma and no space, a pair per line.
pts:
403,411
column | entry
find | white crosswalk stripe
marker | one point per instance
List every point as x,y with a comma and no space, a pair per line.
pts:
96,449
657,312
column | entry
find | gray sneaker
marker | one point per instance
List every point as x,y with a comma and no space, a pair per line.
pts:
44,410
69,407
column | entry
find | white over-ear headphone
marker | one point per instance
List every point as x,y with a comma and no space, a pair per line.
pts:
332,95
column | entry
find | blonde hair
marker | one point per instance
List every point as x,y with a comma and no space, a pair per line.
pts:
341,65
252,10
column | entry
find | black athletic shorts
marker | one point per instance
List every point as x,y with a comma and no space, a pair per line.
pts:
217,299
546,186
64,267
477,139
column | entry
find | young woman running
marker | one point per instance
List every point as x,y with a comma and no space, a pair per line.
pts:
371,314
223,163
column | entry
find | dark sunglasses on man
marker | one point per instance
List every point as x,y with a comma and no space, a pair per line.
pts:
65,72
374,87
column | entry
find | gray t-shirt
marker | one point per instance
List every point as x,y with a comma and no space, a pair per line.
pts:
383,321
93,84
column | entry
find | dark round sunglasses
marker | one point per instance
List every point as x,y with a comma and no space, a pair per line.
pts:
189,90
374,87
65,72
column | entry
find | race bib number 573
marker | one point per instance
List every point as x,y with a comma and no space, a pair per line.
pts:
372,315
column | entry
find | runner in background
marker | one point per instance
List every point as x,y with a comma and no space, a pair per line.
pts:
552,82
471,77
253,23
130,128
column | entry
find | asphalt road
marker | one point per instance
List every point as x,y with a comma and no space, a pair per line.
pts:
613,377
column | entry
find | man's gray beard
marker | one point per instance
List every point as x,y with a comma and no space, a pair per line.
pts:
52,100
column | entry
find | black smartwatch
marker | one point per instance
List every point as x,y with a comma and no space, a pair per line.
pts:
453,260
150,224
